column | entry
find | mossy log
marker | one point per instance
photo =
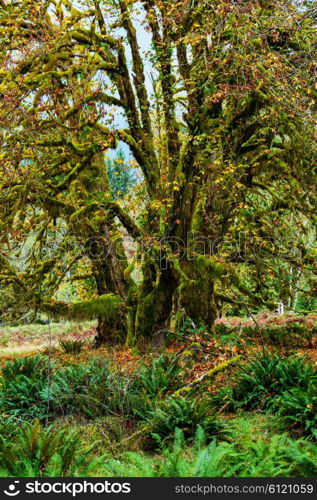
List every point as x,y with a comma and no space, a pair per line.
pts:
209,374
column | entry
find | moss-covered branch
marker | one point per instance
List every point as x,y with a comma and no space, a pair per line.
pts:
138,68
106,306
125,219
209,374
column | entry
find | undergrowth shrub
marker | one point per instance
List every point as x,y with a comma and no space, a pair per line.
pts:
24,387
72,346
28,366
185,414
160,376
36,388
35,451
300,408
287,334
296,334
258,383
277,457
91,390
152,382
112,398
69,389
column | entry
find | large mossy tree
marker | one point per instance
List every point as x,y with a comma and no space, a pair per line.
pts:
217,107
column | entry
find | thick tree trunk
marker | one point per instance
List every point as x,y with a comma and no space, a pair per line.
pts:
195,297
154,304
109,332
109,264
167,296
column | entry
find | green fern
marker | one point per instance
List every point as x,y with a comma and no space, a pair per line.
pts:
51,452
72,346
24,384
162,375
259,383
300,408
277,457
185,414
28,366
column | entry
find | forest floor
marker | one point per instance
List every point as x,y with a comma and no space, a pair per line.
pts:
16,340
214,349
251,429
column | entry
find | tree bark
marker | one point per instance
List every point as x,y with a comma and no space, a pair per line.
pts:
154,304
109,263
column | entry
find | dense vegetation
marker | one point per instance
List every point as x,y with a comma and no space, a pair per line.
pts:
158,182
150,419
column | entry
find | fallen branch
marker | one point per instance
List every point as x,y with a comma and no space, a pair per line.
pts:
208,374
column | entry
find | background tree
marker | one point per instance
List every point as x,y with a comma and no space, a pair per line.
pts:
120,175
